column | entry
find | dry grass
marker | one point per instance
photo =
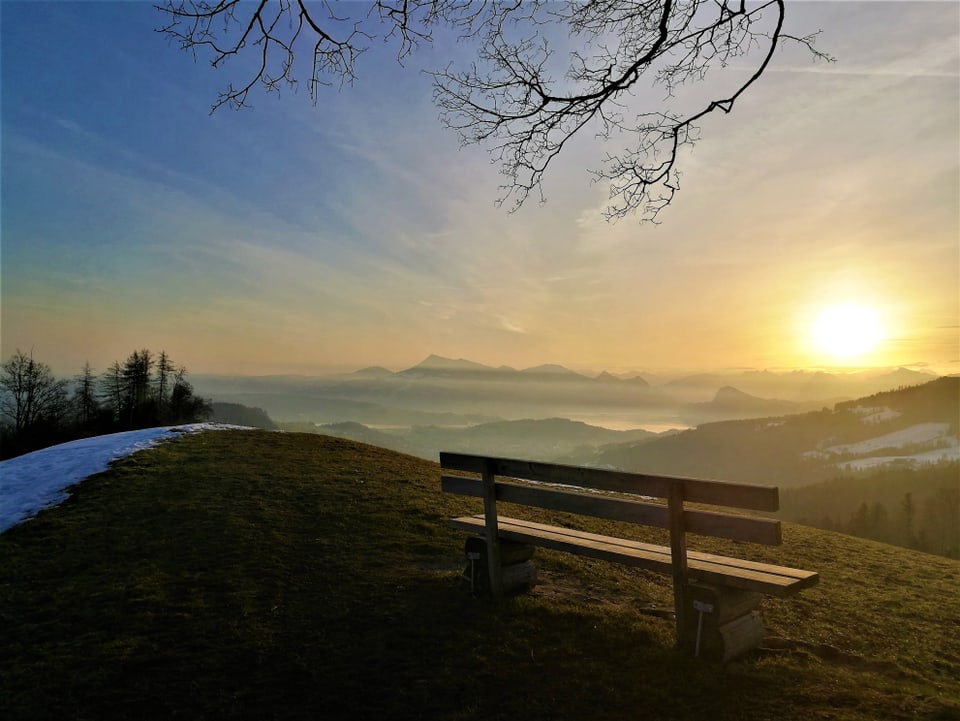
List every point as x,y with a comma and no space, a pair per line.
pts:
259,575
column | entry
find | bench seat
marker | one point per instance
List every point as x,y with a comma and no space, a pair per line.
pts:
765,578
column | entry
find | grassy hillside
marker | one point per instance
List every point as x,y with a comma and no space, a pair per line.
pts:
541,439
247,574
793,450
917,507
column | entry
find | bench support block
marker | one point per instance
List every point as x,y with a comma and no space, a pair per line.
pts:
721,623
517,574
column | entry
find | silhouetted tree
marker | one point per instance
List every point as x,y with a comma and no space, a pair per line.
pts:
35,411
879,529
32,402
165,369
859,521
139,409
111,385
941,522
509,98
85,405
184,405
907,530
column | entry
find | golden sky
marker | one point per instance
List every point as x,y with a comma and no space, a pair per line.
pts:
297,239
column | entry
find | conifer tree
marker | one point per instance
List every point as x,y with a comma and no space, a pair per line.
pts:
85,403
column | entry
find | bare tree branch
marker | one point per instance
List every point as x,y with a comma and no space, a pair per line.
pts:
508,99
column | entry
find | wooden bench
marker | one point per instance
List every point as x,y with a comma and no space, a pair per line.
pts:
715,597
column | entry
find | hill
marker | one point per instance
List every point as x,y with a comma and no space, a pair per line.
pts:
540,440
248,574
913,506
241,415
730,402
911,424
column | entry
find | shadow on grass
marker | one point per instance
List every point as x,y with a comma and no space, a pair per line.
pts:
276,576
400,646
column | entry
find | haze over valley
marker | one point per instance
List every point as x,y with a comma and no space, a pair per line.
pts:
884,464
458,392
548,412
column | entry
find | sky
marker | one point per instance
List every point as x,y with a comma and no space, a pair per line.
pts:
302,238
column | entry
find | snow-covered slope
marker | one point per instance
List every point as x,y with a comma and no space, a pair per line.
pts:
37,480
916,444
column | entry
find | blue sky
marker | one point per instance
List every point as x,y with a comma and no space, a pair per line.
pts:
299,238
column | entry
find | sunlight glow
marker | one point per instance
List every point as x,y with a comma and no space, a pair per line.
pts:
848,330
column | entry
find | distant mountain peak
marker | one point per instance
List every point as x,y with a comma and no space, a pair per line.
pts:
373,372
907,375
437,361
608,377
551,369
434,363
729,393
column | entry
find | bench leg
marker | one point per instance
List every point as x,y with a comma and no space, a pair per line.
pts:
517,574
493,534
722,623
678,560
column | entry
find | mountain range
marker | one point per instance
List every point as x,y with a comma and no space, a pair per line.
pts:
884,466
458,392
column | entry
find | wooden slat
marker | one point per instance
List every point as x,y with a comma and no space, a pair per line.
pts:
461,485
706,523
733,528
614,509
469,523
643,555
719,493
793,573
765,578
796,574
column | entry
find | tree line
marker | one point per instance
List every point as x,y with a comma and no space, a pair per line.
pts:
933,526
905,505
38,410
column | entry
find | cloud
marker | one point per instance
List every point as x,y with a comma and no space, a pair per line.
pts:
359,230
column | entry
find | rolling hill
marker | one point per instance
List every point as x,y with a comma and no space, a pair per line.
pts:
918,422
534,439
251,575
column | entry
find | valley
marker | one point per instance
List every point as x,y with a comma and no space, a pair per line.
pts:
885,465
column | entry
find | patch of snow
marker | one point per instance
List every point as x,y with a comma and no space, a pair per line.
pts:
920,433
935,444
877,414
38,480
935,456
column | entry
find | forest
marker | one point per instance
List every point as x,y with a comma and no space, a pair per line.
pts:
914,506
39,410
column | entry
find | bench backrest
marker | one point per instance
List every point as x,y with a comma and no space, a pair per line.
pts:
623,507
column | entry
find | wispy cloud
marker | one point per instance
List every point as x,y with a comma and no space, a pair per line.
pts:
359,231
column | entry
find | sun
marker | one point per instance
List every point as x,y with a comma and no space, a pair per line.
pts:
847,331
